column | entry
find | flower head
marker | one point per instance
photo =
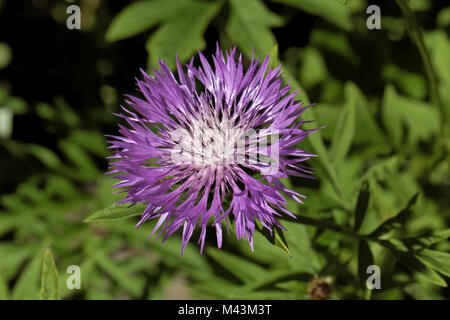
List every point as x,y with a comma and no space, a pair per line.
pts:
209,146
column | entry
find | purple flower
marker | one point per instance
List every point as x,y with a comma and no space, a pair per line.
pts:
209,146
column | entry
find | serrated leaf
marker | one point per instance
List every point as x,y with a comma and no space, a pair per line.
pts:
365,259
397,221
140,16
116,212
182,34
49,278
361,205
437,260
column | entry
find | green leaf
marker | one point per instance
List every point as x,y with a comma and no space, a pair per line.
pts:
5,55
421,119
276,237
27,286
4,291
273,54
140,16
116,212
431,276
443,18
439,261
367,131
49,278
315,139
330,10
365,259
87,169
304,256
182,34
345,128
242,269
412,84
419,270
361,205
249,26
45,155
427,239
313,70
397,221
133,285
6,122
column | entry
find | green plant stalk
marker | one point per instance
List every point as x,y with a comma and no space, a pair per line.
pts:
416,34
324,224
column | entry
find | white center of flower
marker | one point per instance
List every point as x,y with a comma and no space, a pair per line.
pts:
207,143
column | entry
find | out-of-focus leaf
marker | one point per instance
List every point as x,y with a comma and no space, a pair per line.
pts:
367,131
6,123
304,257
334,42
438,43
365,259
49,278
5,55
27,286
443,18
276,237
431,276
243,269
116,212
345,128
140,16
412,84
66,112
361,205
427,239
419,270
4,291
133,285
249,26
398,221
421,119
439,261
273,54
182,33
313,70
330,10
90,140
87,168
45,155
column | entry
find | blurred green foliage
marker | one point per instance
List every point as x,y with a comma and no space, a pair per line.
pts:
382,190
